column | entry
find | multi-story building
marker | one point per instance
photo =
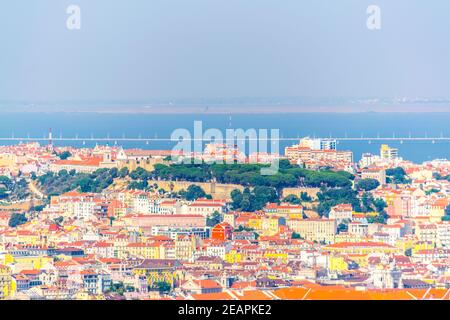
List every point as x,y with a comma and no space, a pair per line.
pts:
362,248
375,173
388,153
285,210
437,209
341,213
7,287
318,144
222,231
358,228
185,246
157,271
331,158
173,232
321,230
146,222
145,250
204,207
95,282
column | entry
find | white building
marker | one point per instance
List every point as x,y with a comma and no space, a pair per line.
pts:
84,209
341,212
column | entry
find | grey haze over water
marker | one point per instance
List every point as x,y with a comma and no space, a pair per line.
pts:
146,50
87,125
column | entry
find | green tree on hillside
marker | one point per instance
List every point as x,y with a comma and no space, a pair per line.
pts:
253,200
123,172
17,219
292,198
64,155
214,219
396,175
194,192
367,184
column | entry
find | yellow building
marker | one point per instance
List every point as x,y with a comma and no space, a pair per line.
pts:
156,271
337,263
285,210
142,250
276,255
269,226
422,245
405,243
255,222
361,259
7,285
388,153
233,256
27,262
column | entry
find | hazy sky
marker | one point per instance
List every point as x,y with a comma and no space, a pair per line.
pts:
147,49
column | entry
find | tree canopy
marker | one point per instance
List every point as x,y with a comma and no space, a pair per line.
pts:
63,181
367,184
396,175
17,219
214,219
250,175
253,200
194,192
64,155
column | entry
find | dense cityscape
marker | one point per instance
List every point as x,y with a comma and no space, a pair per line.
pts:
108,223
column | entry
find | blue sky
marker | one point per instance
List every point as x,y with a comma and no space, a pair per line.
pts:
169,49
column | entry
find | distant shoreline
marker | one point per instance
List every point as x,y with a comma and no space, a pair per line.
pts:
233,109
